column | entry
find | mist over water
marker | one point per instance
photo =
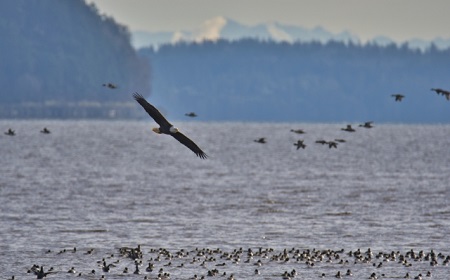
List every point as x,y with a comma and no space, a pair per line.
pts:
104,185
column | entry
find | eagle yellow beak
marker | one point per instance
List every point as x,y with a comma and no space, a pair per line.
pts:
156,130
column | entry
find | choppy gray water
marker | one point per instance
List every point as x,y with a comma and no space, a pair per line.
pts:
103,185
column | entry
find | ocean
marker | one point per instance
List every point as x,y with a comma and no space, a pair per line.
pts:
104,185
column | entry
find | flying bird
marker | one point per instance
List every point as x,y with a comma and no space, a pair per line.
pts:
166,127
191,114
438,90
332,144
110,85
366,125
398,97
45,130
10,132
443,92
261,140
298,131
300,144
349,128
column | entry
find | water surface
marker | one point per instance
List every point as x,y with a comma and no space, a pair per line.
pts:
104,185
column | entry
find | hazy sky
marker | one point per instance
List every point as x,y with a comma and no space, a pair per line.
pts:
398,19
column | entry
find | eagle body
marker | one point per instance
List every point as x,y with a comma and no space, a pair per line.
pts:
165,127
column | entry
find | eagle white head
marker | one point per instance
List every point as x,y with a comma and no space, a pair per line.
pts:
172,129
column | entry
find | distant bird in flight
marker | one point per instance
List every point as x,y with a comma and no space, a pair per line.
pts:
45,131
366,125
191,114
261,140
110,85
166,127
300,144
332,144
398,97
349,128
10,132
298,131
443,92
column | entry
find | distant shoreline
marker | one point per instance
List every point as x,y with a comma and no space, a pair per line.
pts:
80,110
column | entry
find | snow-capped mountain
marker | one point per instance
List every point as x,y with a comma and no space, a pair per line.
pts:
224,28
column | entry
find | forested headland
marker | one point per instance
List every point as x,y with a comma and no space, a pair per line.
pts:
333,82
56,55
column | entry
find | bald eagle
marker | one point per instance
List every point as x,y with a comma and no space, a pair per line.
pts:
166,127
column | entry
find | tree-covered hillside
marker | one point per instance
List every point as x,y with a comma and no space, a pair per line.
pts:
260,80
63,51
55,56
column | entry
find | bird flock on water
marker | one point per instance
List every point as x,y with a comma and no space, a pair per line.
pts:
265,263
218,263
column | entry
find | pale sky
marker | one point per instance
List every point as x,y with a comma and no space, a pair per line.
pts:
398,19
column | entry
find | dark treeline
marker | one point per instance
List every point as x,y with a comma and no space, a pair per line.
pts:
259,80
63,51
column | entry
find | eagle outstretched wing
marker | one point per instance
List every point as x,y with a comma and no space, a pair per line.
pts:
183,139
152,111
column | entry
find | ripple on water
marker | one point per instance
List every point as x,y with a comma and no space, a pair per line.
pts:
107,184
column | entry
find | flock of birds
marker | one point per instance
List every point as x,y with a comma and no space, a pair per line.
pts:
334,143
211,261
331,144
439,91
12,132
169,129
205,263
165,127
110,85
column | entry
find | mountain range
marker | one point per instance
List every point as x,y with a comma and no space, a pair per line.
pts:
225,28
